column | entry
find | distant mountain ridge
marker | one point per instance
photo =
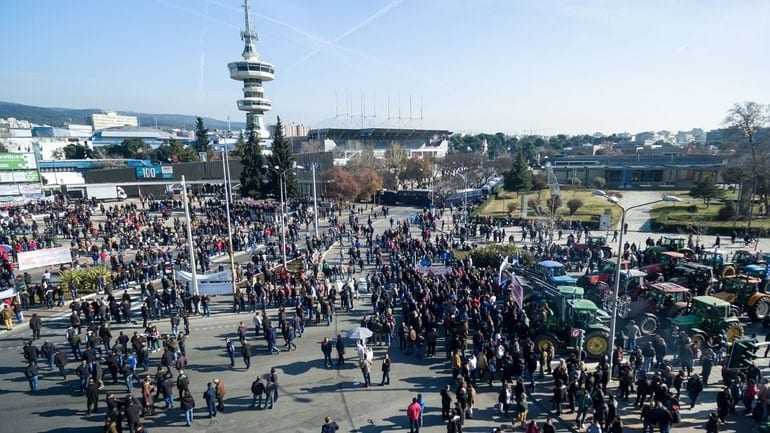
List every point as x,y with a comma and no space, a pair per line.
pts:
55,116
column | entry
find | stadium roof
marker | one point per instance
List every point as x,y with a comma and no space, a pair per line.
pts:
369,133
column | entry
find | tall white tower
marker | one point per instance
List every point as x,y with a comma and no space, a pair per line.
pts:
253,72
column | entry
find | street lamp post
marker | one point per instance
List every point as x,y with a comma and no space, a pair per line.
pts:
616,289
315,201
282,183
230,252
190,243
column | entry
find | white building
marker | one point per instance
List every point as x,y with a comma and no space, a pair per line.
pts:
112,119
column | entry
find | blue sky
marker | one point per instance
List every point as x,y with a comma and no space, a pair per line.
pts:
478,65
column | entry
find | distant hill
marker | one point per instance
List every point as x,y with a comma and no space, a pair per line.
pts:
61,116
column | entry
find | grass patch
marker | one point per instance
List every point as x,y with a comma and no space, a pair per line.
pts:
593,207
693,213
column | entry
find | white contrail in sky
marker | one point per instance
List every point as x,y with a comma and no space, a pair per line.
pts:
312,37
198,14
204,29
382,11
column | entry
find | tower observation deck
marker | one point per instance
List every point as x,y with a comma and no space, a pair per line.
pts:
253,72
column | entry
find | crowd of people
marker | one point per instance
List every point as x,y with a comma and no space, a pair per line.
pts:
455,313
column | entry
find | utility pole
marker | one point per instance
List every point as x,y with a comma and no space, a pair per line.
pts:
230,251
190,238
315,201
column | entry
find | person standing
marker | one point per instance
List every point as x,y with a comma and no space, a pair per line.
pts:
326,348
340,345
246,353
230,349
7,317
220,394
413,413
257,391
446,403
273,378
211,400
329,426
694,388
32,376
385,371
92,396
366,369
60,360
188,406
35,324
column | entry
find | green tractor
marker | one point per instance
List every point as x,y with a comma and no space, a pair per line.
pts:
571,321
709,316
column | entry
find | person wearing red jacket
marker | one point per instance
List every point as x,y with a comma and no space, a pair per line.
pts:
413,412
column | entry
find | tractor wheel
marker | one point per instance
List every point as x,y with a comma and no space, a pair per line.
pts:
734,330
547,342
761,309
728,271
596,344
648,325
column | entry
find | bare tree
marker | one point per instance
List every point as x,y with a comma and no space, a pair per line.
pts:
748,118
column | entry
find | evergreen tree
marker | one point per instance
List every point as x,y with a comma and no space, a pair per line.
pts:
283,158
201,136
253,174
518,178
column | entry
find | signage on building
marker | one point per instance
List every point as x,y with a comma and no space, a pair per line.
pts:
19,176
17,161
155,172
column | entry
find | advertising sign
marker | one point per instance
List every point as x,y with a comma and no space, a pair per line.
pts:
218,283
17,161
155,172
19,176
44,257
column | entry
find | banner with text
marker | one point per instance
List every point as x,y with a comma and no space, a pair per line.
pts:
44,257
218,283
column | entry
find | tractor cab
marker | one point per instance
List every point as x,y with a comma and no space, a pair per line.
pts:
596,241
664,263
756,271
669,296
710,316
696,276
554,273
632,282
671,243
582,313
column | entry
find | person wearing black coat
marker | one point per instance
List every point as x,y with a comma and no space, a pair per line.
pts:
133,412
60,360
340,345
446,403
166,387
257,391
246,353
724,403
188,406
92,396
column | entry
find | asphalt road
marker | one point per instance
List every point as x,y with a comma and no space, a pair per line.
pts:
307,392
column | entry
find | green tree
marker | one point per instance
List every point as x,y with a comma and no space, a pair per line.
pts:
573,205
78,151
240,146
282,158
707,190
519,177
181,153
201,136
253,174
129,148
